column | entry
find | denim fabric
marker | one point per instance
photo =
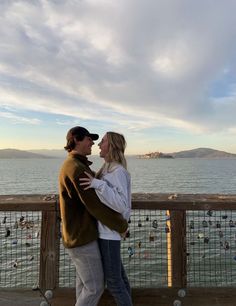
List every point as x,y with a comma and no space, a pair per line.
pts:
115,277
89,274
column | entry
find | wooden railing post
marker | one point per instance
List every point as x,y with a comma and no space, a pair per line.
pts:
178,248
49,250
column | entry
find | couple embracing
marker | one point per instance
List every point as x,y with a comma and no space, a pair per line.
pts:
95,209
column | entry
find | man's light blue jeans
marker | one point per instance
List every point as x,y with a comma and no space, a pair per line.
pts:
89,274
115,277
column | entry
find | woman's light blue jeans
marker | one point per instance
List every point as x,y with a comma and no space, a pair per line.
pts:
115,277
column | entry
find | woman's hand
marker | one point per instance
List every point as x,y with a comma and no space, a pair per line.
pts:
86,181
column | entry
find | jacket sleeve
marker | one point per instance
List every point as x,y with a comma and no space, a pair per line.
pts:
97,209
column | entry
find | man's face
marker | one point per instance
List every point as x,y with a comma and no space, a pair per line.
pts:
84,147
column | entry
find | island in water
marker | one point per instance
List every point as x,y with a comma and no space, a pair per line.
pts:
154,155
195,153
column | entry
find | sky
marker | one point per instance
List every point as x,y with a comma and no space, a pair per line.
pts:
161,72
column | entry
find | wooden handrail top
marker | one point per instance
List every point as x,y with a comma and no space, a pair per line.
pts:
28,202
174,201
150,201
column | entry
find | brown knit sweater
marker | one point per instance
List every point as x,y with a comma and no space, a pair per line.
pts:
81,208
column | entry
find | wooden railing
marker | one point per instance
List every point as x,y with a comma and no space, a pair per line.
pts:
176,205
50,227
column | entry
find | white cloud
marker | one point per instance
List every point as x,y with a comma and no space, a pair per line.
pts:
140,63
19,120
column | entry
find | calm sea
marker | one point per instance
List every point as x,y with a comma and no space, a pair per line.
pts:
143,254
39,176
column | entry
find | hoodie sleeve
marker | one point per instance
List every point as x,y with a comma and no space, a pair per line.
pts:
114,190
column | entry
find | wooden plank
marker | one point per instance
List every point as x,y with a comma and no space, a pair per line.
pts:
148,205
170,205
49,251
150,201
28,202
19,297
175,197
140,297
158,296
178,248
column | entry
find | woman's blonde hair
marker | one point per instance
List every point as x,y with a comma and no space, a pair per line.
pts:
116,150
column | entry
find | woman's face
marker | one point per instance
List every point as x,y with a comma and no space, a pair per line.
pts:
104,147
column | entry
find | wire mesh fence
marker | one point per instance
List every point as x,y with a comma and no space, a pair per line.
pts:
211,248
20,248
146,251
143,251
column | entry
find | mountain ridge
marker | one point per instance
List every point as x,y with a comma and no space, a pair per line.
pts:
44,153
203,153
15,153
193,153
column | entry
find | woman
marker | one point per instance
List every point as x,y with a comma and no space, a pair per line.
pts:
113,187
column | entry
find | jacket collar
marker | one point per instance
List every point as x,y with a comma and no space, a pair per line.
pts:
82,158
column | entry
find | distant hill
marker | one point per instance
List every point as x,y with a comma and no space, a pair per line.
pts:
195,153
203,153
13,153
54,152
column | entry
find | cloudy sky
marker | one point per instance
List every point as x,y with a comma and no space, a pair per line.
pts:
162,72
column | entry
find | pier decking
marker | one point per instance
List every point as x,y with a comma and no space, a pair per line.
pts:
176,242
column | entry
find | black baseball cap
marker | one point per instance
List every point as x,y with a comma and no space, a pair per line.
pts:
80,132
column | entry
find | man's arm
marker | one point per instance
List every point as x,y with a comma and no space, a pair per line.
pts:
98,210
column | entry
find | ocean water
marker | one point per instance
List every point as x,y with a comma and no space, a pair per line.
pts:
40,176
144,254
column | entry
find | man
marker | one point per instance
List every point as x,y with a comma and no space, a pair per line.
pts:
80,210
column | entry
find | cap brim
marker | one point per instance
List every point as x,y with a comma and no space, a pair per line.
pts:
94,136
